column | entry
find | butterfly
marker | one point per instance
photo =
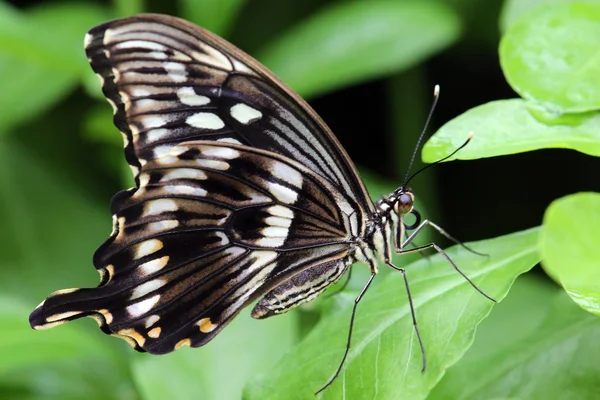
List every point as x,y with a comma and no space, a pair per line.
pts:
242,193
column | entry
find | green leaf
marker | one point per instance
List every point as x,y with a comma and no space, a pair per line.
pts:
21,346
551,55
47,361
50,35
50,228
41,57
569,247
28,90
508,127
323,53
220,369
512,10
385,361
215,15
126,8
535,345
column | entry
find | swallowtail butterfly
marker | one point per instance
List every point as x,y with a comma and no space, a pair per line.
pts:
242,193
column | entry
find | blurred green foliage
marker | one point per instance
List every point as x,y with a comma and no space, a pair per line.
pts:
60,161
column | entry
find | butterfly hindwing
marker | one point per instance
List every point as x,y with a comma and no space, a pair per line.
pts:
198,241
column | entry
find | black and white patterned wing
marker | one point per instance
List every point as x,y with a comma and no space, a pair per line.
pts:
170,81
212,227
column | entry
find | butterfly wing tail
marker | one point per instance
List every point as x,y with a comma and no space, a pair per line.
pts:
69,304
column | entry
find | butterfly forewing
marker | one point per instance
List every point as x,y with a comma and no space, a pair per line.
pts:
170,81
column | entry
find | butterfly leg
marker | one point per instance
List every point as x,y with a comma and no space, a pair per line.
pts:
442,232
349,341
403,250
412,312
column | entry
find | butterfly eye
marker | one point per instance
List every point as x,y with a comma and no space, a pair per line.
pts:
404,204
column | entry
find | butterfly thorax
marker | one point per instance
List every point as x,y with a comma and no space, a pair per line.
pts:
385,229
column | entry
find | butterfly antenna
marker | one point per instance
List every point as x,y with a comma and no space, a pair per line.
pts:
469,137
436,96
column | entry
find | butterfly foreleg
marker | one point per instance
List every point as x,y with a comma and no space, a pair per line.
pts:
401,249
400,245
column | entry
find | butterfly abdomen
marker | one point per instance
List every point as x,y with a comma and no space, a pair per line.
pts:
301,288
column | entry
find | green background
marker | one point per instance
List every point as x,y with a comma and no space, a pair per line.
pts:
520,74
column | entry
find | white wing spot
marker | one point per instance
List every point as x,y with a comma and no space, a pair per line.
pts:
229,140
275,232
245,114
156,134
270,242
157,55
141,44
166,160
205,120
213,164
281,211
224,240
155,265
212,57
147,287
142,105
152,121
282,193
242,67
159,206
144,179
161,151
139,92
141,308
184,173
87,40
262,258
188,96
188,190
146,248
179,150
164,225
176,71
287,174
151,320
278,221
220,152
